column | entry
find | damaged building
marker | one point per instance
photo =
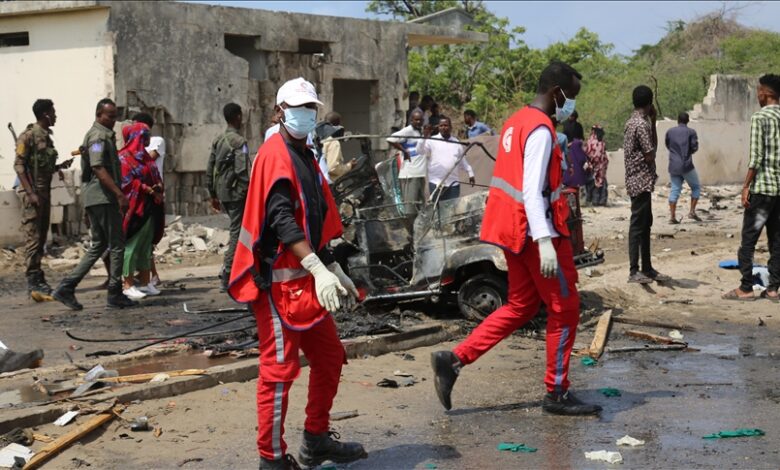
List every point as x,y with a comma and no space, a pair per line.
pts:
182,63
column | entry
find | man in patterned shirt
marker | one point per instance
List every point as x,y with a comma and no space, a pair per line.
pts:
761,192
640,144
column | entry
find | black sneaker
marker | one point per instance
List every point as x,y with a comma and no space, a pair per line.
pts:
568,405
316,449
120,300
285,463
657,277
639,278
446,367
67,298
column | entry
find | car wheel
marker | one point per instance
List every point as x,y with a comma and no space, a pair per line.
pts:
480,295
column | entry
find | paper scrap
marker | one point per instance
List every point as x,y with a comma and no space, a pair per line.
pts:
10,451
162,377
66,418
629,441
675,334
604,456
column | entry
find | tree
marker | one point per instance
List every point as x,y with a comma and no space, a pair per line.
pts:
410,9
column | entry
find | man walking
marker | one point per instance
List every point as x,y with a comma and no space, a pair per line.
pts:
640,144
227,179
411,177
284,269
526,216
682,142
35,164
444,154
761,192
105,205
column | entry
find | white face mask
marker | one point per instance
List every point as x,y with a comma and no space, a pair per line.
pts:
299,121
563,113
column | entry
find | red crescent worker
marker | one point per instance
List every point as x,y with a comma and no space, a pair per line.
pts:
283,268
526,216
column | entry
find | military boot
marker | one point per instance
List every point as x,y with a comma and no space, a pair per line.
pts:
285,463
65,295
43,286
10,360
321,447
116,299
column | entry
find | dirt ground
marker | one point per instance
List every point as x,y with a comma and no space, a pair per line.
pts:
670,399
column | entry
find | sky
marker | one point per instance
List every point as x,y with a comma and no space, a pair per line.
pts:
626,25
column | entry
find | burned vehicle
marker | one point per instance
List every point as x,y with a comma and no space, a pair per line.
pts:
436,256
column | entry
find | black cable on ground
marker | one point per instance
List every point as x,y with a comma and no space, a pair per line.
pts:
125,339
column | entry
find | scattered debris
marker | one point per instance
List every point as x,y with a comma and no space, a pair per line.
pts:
62,442
141,423
604,456
405,356
588,361
654,338
78,463
649,347
676,301
399,373
158,431
11,452
600,337
387,383
761,322
139,378
736,433
512,447
342,415
191,459
610,392
66,418
655,324
629,441
676,335
161,377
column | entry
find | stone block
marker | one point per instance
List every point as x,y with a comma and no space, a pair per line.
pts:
198,244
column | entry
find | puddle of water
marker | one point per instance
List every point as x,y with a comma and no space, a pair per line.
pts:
187,360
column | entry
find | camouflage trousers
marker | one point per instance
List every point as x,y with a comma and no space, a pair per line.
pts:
35,226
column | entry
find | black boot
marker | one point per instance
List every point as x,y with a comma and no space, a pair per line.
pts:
10,360
116,299
567,404
319,448
43,286
285,463
66,296
446,367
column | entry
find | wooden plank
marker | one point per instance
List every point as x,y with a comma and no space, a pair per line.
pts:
653,338
600,337
62,442
654,324
151,375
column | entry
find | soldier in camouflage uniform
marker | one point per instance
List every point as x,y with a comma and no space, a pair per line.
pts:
35,164
227,179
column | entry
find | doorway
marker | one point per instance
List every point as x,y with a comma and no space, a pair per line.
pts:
352,99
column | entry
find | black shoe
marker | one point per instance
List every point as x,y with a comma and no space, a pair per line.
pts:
639,278
67,298
657,277
43,286
567,404
11,361
316,449
285,463
120,300
446,367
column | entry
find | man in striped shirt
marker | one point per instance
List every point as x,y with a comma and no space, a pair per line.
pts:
761,192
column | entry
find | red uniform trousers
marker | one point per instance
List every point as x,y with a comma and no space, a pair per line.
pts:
280,365
527,288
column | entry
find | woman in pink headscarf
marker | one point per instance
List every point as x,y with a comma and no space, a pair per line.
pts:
144,219
596,149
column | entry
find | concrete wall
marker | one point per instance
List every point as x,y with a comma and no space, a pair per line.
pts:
69,60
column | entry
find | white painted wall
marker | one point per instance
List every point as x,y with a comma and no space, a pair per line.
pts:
70,60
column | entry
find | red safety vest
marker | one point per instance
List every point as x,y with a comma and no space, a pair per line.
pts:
505,223
291,294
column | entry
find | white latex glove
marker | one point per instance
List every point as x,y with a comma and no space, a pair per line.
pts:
326,284
548,257
352,296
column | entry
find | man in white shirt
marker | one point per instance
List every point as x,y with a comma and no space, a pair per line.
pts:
411,177
443,154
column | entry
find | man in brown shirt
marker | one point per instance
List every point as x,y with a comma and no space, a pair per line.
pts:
639,145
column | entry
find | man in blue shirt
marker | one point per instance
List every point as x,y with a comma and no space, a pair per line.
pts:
682,143
474,127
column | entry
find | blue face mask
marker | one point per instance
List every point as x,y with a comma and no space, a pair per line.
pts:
563,113
300,121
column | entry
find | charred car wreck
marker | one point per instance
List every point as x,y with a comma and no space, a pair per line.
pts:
435,256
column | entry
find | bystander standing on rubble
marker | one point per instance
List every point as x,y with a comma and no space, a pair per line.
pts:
475,128
227,179
761,192
411,176
329,148
597,187
682,142
285,270
527,217
105,205
640,146
144,220
443,155
35,164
